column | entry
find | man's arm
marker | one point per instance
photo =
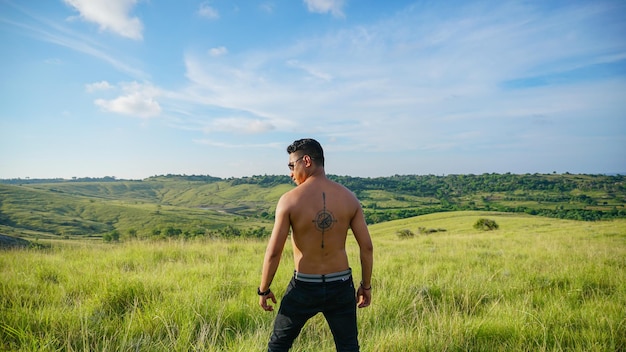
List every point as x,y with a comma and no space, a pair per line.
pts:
273,253
362,236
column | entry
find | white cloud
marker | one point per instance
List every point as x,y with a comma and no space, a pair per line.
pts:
60,34
207,11
240,125
110,15
53,61
326,6
213,143
218,51
138,100
133,105
103,85
267,7
315,72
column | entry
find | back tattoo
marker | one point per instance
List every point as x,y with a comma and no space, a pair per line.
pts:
324,220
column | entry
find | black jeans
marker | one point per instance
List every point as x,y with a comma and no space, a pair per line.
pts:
302,300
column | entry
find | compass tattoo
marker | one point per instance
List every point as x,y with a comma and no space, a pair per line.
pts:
324,220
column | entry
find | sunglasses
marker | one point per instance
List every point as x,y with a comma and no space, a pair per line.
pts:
292,164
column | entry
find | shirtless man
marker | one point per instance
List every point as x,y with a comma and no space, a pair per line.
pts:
319,213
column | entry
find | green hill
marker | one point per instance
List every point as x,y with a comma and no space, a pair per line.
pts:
96,208
176,205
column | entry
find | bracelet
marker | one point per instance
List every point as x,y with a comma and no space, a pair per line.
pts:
264,293
365,288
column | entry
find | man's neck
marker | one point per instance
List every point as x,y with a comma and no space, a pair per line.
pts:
316,174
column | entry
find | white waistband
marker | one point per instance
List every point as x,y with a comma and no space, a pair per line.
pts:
317,278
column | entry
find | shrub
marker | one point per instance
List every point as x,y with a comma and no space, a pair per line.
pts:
486,224
425,231
405,233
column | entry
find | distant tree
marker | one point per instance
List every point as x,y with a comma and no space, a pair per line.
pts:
171,231
230,231
113,236
258,232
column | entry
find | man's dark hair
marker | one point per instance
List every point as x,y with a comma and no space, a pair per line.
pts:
310,147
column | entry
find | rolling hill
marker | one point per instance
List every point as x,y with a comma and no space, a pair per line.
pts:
177,205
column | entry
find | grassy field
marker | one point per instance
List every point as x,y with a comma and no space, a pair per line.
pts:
535,284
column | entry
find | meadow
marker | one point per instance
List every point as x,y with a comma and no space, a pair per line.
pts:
535,284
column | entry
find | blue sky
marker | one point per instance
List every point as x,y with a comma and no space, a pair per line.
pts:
136,88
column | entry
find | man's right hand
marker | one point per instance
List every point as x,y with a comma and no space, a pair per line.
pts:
264,304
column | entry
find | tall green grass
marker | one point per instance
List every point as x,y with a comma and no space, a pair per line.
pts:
535,284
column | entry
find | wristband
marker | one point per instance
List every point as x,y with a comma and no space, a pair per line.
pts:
365,288
264,293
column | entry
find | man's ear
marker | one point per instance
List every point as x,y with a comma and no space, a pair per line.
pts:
307,160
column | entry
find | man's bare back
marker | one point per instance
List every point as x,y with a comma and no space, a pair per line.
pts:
320,213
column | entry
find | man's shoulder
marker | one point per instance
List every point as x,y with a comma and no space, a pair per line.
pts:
288,195
292,195
340,186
